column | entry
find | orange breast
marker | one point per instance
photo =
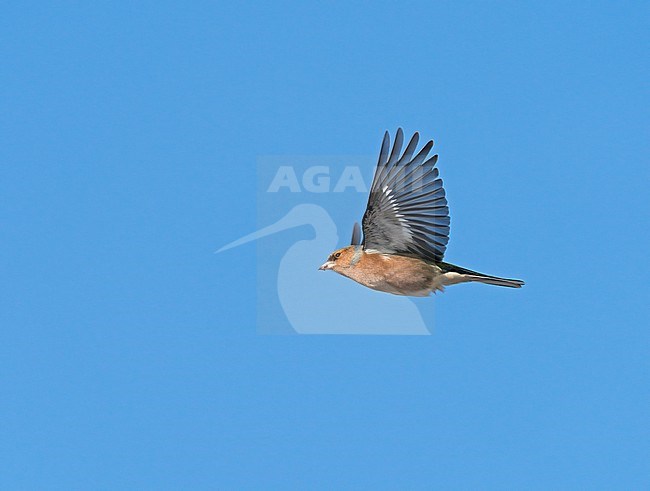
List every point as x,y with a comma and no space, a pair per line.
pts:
392,273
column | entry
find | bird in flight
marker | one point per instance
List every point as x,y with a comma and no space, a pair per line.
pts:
405,229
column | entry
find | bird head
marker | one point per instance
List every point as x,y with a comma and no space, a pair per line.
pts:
346,257
340,259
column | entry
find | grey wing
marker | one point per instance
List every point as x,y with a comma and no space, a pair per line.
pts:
407,210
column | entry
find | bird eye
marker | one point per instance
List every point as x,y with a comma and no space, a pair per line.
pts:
338,254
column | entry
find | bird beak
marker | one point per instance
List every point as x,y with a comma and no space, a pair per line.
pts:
327,265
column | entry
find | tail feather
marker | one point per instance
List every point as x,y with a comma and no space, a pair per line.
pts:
469,275
495,280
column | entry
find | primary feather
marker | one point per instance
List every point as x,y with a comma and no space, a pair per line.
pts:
407,210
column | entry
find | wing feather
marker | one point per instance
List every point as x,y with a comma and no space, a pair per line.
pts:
407,210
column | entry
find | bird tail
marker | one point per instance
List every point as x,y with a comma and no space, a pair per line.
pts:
469,275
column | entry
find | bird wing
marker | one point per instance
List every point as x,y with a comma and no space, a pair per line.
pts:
407,211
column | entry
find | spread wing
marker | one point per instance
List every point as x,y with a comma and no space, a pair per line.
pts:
407,211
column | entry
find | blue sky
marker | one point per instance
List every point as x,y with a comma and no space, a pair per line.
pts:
129,353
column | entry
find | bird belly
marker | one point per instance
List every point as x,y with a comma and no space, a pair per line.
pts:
394,274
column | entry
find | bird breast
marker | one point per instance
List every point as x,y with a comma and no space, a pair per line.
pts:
399,275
